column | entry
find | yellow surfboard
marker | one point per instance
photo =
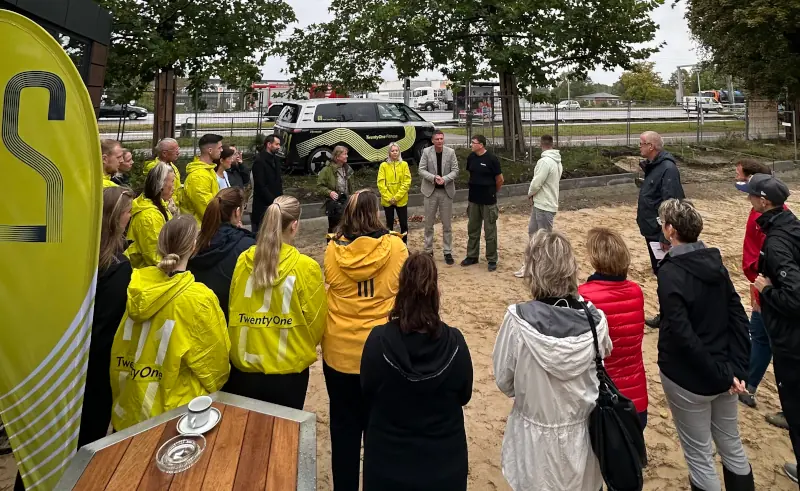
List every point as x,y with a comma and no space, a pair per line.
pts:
49,237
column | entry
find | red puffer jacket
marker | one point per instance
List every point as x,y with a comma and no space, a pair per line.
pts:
623,303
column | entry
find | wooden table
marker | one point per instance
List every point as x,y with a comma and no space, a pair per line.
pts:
257,445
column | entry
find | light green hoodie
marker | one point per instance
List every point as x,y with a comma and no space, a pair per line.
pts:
545,183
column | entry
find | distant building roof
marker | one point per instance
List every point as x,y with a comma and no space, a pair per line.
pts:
599,95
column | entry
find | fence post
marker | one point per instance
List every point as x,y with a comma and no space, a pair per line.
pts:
794,132
555,119
194,140
231,126
628,127
699,137
747,119
513,128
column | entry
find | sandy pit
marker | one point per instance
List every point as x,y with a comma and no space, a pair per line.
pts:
475,300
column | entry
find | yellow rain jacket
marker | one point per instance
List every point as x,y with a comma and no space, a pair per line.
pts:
146,223
363,277
199,188
108,183
171,346
148,166
394,181
276,330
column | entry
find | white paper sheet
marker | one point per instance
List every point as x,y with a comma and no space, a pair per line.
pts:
657,252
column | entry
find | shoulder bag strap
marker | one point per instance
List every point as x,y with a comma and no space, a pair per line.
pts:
597,360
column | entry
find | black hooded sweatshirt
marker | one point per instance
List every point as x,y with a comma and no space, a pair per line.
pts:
703,341
214,265
415,386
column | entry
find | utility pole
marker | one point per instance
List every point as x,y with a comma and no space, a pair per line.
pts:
406,91
731,96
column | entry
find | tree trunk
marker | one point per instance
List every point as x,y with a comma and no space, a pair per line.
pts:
513,133
164,106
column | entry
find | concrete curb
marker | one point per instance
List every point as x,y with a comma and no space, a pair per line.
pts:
315,210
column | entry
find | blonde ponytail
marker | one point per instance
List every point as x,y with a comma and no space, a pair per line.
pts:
176,242
284,211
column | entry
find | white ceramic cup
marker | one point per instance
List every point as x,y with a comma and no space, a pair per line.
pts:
199,411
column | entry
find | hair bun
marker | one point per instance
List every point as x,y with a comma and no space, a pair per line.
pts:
168,263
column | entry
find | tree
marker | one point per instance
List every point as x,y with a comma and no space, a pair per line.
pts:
759,41
642,83
522,42
195,39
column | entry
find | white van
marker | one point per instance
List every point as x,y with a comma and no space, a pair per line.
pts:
695,103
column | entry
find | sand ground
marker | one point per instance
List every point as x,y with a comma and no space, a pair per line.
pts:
475,300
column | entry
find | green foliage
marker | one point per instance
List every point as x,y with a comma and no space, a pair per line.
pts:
578,87
757,41
534,40
196,38
711,78
642,83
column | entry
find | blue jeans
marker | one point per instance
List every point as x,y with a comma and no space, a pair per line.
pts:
760,352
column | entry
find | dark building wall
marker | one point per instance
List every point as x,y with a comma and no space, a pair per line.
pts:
81,27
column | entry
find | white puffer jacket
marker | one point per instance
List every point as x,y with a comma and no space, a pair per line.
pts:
544,359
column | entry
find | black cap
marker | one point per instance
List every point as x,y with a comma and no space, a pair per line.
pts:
209,138
766,186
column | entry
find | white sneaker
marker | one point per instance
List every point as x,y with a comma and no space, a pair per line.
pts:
520,273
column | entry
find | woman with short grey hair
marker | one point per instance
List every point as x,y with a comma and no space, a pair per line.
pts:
703,351
544,359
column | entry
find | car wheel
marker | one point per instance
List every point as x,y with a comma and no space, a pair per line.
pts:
133,116
429,107
317,159
419,147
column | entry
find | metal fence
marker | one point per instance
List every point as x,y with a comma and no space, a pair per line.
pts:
230,114
584,122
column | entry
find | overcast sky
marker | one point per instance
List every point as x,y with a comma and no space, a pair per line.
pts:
679,50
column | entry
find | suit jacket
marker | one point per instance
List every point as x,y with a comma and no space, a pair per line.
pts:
428,171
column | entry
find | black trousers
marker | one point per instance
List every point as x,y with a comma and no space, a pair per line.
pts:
402,216
787,377
284,390
349,415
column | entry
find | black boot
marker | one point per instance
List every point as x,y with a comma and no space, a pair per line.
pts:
735,482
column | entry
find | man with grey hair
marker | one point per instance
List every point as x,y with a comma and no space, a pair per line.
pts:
662,181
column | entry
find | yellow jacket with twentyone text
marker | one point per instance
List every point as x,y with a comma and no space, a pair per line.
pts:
171,346
394,181
199,189
363,276
276,330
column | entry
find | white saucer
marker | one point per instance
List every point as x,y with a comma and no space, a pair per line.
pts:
213,419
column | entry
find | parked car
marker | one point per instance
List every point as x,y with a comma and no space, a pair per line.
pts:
569,105
309,130
116,111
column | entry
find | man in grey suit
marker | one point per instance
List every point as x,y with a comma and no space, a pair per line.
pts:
438,169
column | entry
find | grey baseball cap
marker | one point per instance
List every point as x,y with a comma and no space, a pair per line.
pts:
766,186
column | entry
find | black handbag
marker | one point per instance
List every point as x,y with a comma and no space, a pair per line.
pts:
615,430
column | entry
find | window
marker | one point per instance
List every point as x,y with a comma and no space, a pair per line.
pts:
391,111
327,113
290,113
357,113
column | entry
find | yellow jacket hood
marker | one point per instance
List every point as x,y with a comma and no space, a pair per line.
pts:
151,289
277,330
142,204
196,165
363,257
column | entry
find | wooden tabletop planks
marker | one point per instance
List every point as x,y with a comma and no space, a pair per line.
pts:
154,479
254,458
282,473
134,463
225,455
102,467
192,479
246,451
